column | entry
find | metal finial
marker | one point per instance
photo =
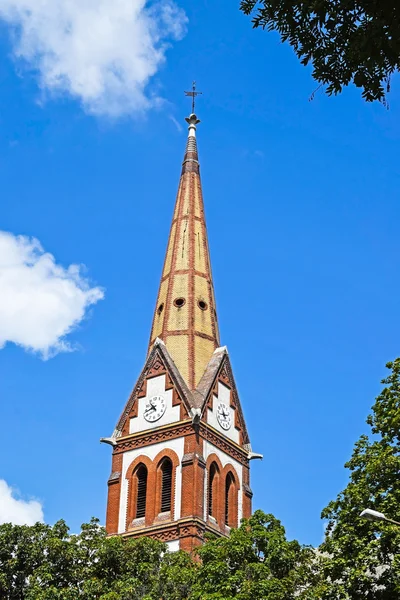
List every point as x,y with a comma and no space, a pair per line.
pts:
193,95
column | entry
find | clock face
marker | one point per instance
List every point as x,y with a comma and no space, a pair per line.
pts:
224,416
154,409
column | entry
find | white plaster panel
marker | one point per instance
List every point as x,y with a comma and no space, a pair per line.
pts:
226,460
155,387
173,546
224,395
150,452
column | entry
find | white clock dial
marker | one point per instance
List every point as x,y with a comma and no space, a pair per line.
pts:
154,409
224,416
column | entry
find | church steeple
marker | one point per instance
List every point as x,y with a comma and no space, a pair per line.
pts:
181,450
185,317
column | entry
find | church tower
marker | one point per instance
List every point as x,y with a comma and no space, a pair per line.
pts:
181,452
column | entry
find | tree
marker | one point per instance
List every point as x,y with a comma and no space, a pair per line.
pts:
362,559
345,40
44,562
256,562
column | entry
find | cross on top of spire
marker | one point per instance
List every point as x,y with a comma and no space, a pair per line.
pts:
193,95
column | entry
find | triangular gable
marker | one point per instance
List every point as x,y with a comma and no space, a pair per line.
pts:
158,362
219,369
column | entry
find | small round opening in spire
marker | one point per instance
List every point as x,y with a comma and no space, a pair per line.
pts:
202,305
179,302
160,308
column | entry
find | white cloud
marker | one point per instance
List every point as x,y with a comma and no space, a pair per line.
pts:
176,123
17,511
40,301
102,52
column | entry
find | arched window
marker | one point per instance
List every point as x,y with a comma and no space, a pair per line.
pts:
166,485
141,486
212,492
229,500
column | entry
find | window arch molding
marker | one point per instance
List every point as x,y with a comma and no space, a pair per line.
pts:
213,494
158,462
131,476
231,502
154,479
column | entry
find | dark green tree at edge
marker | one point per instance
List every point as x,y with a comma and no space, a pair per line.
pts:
346,41
362,558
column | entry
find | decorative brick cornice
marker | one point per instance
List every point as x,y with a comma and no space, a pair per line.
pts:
153,436
169,532
181,429
211,435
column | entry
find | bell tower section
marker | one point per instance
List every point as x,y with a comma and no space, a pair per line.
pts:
181,451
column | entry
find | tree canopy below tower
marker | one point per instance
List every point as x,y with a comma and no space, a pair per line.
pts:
346,41
358,560
44,562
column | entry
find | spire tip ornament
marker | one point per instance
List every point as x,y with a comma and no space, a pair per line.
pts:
192,120
193,95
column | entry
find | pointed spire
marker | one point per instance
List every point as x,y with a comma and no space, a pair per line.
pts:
185,317
191,159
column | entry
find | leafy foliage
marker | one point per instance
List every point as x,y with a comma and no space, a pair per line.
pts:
46,563
359,560
256,561
345,40
362,559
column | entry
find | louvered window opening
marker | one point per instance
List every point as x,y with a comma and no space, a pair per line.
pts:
210,489
228,485
166,486
141,492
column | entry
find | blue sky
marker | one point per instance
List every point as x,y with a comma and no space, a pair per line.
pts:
302,212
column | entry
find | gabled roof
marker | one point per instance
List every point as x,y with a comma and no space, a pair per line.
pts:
219,362
206,383
159,349
196,401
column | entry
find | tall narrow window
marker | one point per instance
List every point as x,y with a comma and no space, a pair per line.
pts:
211,489
141,477
166,485
229,492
